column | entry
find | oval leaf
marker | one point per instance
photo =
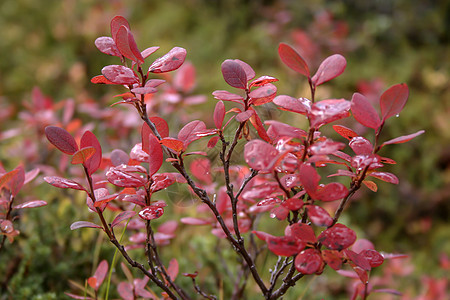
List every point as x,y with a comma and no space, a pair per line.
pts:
219,114
151,213
61,139
156,156
90,140
107,45
64,183
31,204
338,237
82,155
364,112
319,216
308,261
234,74
122,217
259,155
404,139
169,62
292,59
330,68
119,74
393,100
82,224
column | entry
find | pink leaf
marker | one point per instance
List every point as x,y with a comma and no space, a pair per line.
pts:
127,46
151,212
125,290
82,155
361,145
122,217
302,232
292,59
100,273
219,114
144,90
331,192
364,112
259,155
330,68
90,140
234,74
358,259
263,95
374,258
161,126
30,175
393,100
201,169
169,62
172,269
149,51
260,81
244,116
83,224
227,96
338,237
184,79
119,74
116,23
308,261
319,216
249,72
64,183
189,132
404,139
107,45
385,176
119,157
327,111
61,139
156,156
31,204
120,177
15,180
301,105
309,179
194,221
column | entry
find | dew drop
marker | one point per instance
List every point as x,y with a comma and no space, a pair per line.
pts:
397,115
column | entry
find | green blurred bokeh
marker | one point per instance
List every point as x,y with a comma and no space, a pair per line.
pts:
50,44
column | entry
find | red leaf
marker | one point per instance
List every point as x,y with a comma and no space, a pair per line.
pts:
338,237
120,177
370,185
263,94
151,212
361,145
64,183
301,105
201,169
219,114
172,269
116,23
256,122
327,111
169,62
309,178
83,224
61,139
302,232
156,156
284,245
403,139
100,274
174,144
234,74
122,217
345,132
244,116
212,142
14,180
364,112
374,258
122,39
82,155
107,45
100,79
149,51
393,100
119,157
385,176
308,261
292,59
161,126
125,290
194,221
358,259
188,134
262,81
227,96
278,130
319,216
144,90
161,181
260,155
333,258
184,79
119,74
31,204
249,72
90,140
330,68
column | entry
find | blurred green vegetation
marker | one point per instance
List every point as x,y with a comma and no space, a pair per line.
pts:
50,44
